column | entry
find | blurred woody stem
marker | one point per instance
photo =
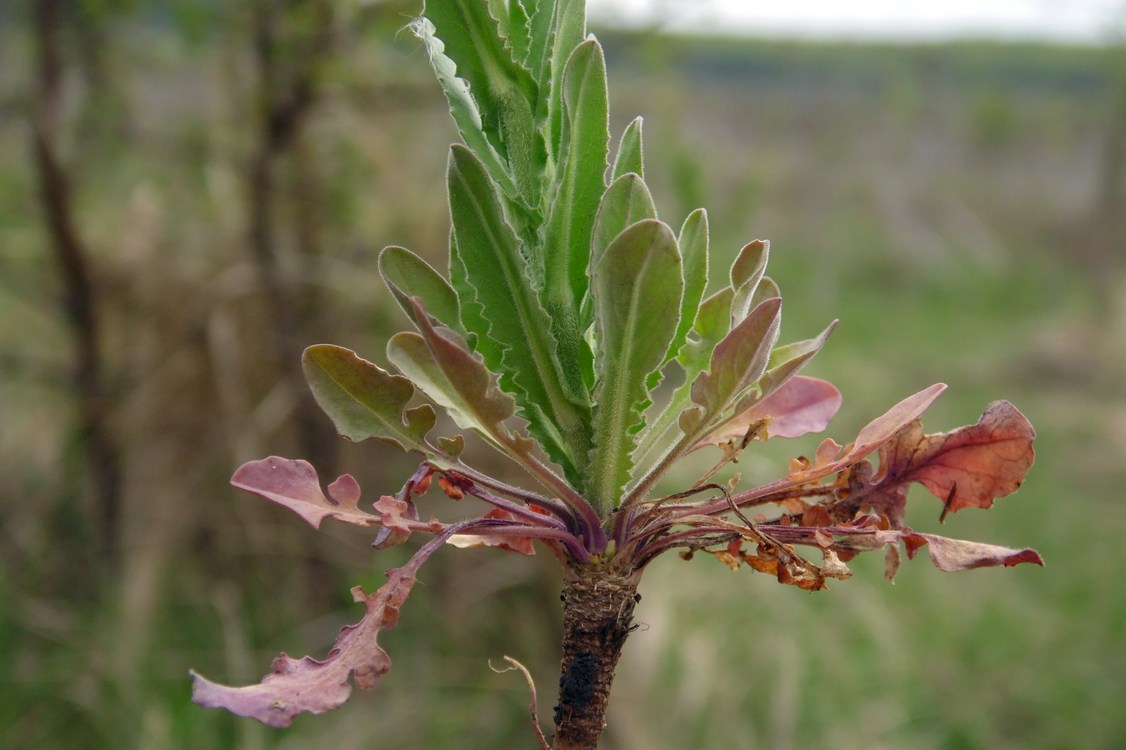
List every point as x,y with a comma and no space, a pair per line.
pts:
80,304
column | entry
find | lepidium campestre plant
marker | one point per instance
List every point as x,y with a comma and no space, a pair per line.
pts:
565,303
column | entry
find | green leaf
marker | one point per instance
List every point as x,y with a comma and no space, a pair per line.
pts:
713,321
515,26
736,364
472,315
364,401
693,243
442,366
746,273
636,287
518,343
557,29
541,15
574,202
786,361
579,187
629,158
767,288
407,275
463,107
473,41
626,202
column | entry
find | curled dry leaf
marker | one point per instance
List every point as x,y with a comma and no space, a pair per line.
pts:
947,554
957,554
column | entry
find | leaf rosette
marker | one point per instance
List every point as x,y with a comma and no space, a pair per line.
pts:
567,302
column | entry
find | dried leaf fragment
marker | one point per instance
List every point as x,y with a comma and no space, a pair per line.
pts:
958,554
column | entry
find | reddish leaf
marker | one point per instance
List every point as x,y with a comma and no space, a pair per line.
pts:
971,466
966,468
829,456
801,406
309,685
306,684
294,484
397,519
873,435
883,428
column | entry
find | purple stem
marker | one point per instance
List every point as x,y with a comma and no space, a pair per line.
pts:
538,519
500,527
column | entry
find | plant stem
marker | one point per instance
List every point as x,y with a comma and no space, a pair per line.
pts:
597,618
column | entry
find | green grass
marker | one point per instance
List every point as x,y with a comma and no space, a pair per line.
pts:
941,218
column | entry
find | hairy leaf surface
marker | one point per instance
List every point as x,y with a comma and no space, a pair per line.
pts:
407,275
503,89
364,401
518,343
636,286
626,202
574,203
737,362
630,156
557,29
693,243
746,273
463,107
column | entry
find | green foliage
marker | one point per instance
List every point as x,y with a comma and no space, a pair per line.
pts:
637,282
567,286
905,315
363,400
572,296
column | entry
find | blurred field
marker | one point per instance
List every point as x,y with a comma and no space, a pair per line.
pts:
947,203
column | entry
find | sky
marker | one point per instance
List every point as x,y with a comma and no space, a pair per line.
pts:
1078,21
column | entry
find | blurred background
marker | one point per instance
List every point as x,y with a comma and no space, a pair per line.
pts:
191,192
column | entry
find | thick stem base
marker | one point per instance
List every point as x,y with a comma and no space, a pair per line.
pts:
597,618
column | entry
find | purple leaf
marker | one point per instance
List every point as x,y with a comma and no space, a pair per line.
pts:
966,468
308,685
294,484
801,406
971,466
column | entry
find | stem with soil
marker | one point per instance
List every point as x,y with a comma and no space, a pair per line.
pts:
597,618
